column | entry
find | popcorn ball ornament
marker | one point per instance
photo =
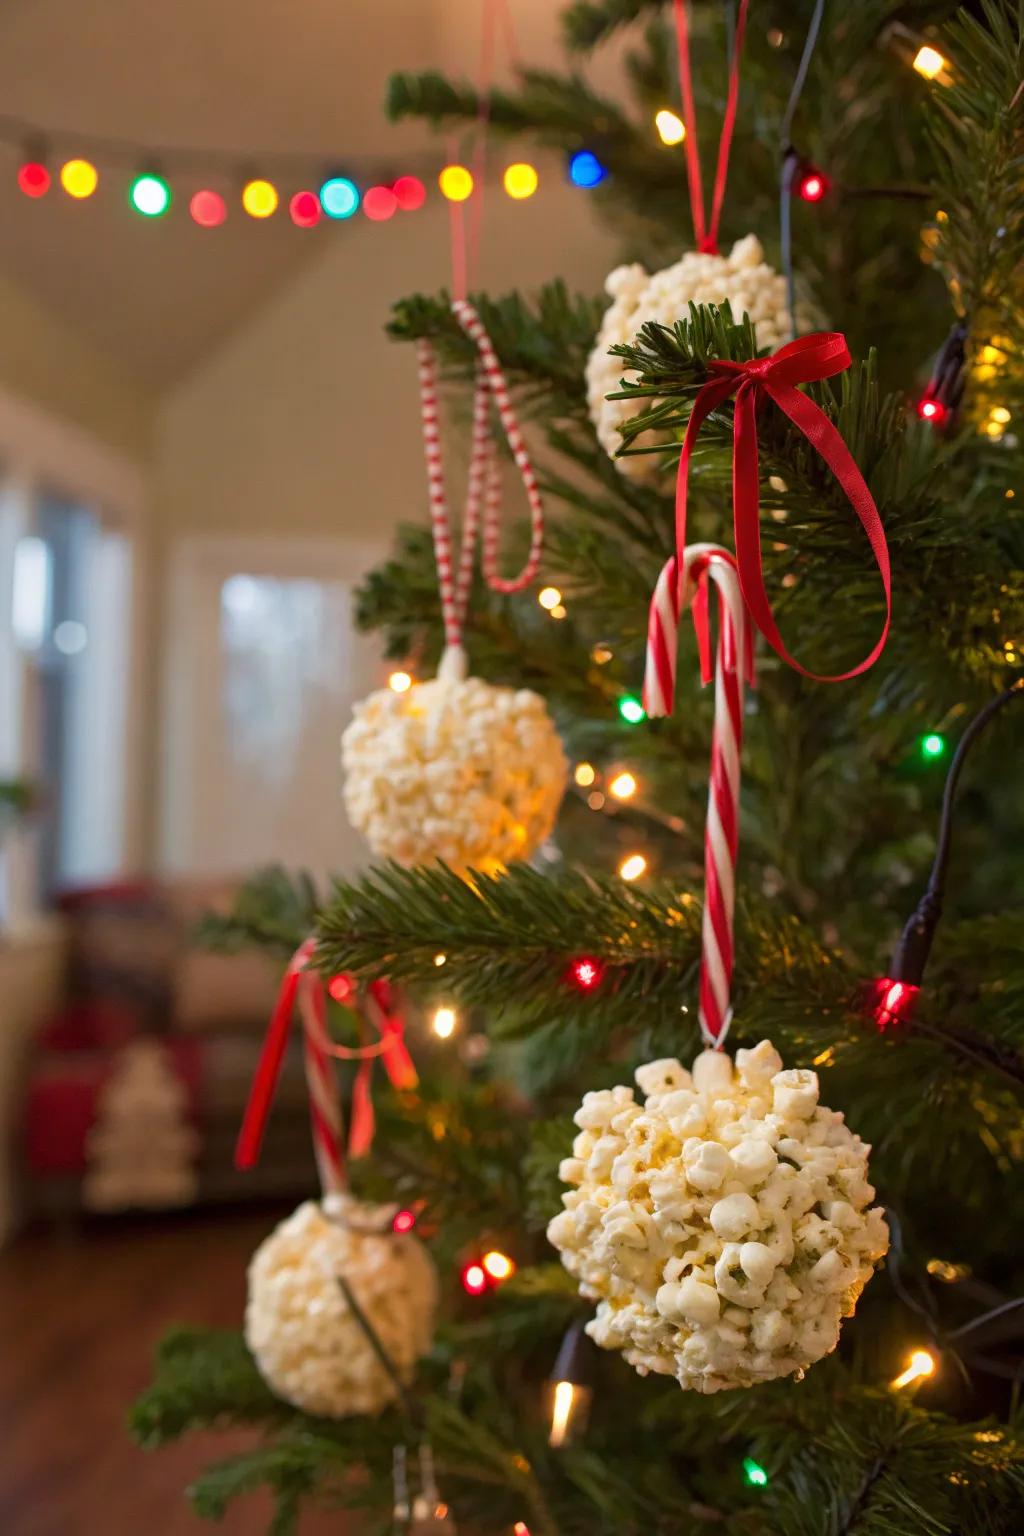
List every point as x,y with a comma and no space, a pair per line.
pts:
456,768
723,1227
743,279
305,1337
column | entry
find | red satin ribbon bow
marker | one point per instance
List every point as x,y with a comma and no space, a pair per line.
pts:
818,356
391,1048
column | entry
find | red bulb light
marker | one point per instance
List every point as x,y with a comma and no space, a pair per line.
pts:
33,179
812,186
379,203
474,1279
932,410
341,987
208,208
587,972
305,210
404,1221
409,193
893,1003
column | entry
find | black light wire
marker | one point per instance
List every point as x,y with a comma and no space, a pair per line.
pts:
790,160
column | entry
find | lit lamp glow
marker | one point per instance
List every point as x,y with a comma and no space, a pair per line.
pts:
150,195
549,598
570,1388
305,210
339,197
754,1473
585,775
631,710
671,128
456,183
920,1365
623,786
929,62
34,178
498,1266
208,208
400,682
379,203
410,193
633,867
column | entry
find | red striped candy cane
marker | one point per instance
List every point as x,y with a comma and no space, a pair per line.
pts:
324,1104
677,590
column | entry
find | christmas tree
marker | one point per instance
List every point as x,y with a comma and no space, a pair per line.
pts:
891,142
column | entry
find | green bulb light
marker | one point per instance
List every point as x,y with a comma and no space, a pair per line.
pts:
150,195
754,1473
933,745
631,710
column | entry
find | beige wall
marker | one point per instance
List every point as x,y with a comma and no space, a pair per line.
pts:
307,420
43,360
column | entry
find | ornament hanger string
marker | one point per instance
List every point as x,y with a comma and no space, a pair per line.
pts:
483,492
706,234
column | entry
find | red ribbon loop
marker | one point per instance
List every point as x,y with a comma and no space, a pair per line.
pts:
818,356
382,1011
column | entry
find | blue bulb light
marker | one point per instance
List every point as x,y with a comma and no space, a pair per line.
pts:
339,197
586,170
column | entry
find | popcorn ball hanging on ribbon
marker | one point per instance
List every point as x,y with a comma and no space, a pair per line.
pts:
457,768
334,1284
723,1227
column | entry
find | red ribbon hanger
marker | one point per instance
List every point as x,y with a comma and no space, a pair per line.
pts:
706,235
819,356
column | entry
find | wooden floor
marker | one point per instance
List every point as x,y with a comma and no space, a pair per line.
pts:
79,1316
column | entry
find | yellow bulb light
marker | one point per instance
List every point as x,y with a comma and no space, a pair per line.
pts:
561,1412
623,786
79,178
259,198
456,183
929,62
671,128
444,1022
520,180
585,774
549,598
920,1365
400,682
498,1265
633,867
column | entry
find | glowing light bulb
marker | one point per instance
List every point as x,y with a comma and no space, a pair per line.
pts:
670,126
812,185
631,710
932,410
933,745
520,1528
498,1265
754,1474
633,867
623,786
208,208
379,203
410,193
444,1022
929,62
559,611
456,183
34,179
921,1364
400,682
305,210
341,987
520,180
549,598
585,774
561,1412
440,960
79,178
1000,413
587,972
595,800
474,1279
259,198
586,170
339,197
893,1002
150,195
601,655
404,1221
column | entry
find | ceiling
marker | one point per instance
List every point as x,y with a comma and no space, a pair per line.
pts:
235,75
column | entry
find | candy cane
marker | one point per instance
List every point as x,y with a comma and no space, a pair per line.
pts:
675,591
324,1104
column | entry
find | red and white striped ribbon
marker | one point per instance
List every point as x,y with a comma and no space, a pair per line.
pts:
484,482
675,592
